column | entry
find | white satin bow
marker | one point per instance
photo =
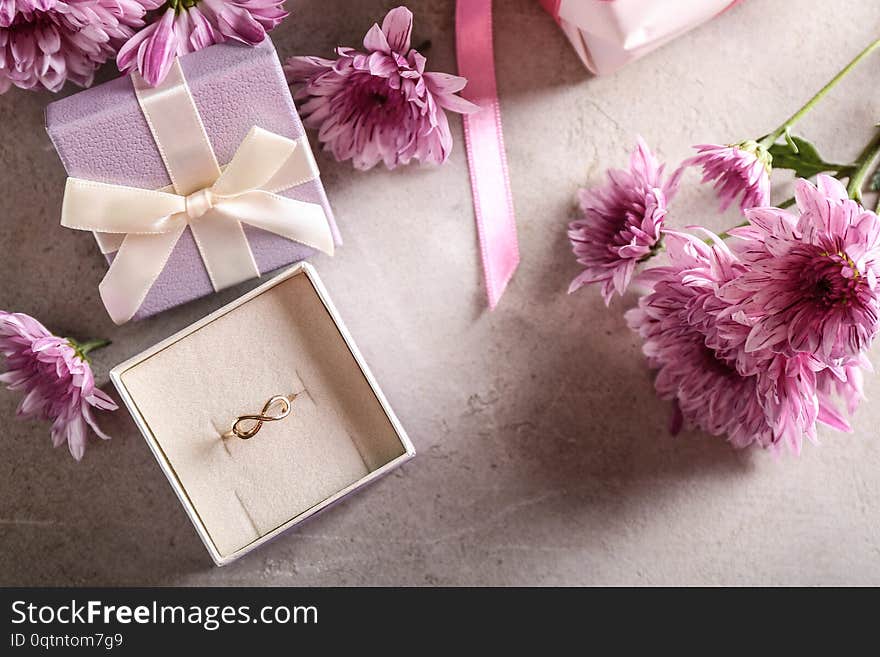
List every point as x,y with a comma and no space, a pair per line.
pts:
153,221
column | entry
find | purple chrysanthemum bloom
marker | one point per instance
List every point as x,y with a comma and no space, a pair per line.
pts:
190,25
739,171
676,320
799,391
56,379
695,339
811,284
44,43
10,8
380,105
621,223
846,383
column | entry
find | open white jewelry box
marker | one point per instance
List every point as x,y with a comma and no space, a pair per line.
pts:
282,338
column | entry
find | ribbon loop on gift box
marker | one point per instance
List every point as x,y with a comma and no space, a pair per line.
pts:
152,221
212,202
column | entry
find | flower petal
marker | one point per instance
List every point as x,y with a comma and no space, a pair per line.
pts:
397,28
376,41
157,54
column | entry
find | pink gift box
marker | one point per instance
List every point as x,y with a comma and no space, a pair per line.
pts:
101,134
610,33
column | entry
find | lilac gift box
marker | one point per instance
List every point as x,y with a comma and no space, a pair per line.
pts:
101,134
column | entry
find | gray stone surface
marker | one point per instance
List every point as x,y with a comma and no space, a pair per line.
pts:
544,457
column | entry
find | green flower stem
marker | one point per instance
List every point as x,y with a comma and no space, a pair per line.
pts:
863,166
770,139
83,349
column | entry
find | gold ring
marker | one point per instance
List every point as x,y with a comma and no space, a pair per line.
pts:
248,426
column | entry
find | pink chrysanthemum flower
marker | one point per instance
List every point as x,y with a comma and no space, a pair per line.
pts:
44,43
844,382
739,171
695,339
676,320
10,8
621,223
379,105
788,390
190,25
56,379
811,284
799,391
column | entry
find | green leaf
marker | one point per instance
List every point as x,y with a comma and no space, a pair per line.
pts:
806,149
874,185
802,157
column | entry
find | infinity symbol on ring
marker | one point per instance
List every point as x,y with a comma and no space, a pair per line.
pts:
248,426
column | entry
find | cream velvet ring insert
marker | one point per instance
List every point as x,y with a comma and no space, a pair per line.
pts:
282,338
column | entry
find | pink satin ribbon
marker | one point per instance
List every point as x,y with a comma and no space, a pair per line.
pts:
490,183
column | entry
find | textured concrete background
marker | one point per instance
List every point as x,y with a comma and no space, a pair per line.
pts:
543,452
